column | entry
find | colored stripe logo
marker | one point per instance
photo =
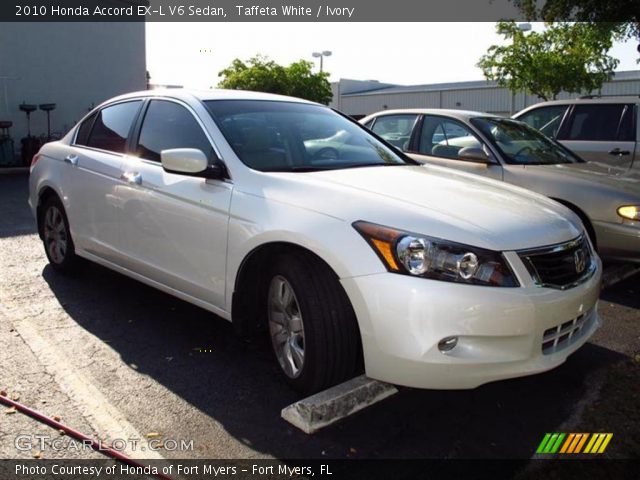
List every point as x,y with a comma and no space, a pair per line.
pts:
563,443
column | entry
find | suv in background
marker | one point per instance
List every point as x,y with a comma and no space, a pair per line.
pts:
599,129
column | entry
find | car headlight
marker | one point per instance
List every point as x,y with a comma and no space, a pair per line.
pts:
422,256
630,212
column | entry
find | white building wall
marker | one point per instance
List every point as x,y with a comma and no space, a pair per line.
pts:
74,65
492,99
365,104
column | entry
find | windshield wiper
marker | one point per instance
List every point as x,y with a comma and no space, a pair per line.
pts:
311,168
300,168
360,165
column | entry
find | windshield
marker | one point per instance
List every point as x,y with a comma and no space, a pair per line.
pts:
286,136
522,145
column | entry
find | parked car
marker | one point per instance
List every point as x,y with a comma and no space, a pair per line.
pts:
510,151
599,129
425,276
342,144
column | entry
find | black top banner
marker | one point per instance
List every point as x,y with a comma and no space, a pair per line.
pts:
261,11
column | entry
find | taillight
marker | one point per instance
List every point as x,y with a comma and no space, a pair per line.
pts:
35,159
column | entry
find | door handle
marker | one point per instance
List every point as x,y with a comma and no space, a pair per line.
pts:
71,159
132,177
618,152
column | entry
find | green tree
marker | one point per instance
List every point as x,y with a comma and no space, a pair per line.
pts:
264,75
564,57
619,18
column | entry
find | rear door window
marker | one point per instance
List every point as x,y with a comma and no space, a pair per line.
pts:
595,122
112,125
84,130
627,130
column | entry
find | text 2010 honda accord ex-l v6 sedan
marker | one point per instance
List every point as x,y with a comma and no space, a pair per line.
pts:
428,277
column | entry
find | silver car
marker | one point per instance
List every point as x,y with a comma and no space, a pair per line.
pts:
606,199
599,129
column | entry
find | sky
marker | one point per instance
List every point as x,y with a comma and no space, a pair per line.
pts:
192,54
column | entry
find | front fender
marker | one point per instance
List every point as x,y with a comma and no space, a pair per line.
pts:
256,221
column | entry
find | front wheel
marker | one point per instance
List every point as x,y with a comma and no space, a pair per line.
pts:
56,236
313,329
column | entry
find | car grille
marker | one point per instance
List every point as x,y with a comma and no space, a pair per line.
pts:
561,336
560,266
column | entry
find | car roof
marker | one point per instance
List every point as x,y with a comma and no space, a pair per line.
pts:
594,99
457,114
188,95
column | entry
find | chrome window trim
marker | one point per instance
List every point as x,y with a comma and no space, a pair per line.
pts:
98,110
142,99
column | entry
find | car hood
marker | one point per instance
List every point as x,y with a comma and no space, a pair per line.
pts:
430,200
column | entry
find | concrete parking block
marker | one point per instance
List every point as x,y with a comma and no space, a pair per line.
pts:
329,406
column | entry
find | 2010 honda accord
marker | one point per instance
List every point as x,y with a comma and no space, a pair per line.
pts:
422,276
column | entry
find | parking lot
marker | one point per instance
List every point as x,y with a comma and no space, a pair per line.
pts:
114,358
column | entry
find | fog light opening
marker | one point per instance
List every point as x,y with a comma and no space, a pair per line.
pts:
447,344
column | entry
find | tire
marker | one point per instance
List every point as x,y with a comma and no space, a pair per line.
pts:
56,236
315,317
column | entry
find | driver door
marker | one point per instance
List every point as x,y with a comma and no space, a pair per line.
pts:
174,226
439,141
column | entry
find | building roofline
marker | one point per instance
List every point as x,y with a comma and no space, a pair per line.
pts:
473,84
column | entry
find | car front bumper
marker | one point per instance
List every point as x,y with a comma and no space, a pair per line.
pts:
618,241
500,331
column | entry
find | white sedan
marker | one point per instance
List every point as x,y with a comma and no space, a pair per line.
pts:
424,277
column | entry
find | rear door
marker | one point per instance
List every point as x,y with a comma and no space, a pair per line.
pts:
93,176
174,226
601,132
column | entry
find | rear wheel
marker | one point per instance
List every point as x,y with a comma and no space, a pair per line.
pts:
313,329
56,236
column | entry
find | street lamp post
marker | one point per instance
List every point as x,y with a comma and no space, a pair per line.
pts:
321,55
523,27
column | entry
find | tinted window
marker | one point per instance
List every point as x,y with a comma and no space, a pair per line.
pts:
291,136
627,131
112,126
442,137
545,119
83,131
168,125
594,122
395,129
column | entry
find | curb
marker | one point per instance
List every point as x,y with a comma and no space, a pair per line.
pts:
618,273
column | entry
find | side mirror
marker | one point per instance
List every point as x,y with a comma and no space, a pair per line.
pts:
475,155
190,161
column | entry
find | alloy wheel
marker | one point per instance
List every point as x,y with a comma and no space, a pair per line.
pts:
55,234
286,326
